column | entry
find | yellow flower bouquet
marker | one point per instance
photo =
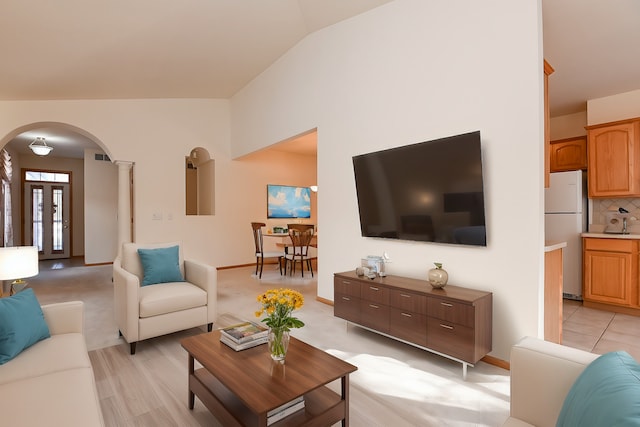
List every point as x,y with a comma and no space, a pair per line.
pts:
278,304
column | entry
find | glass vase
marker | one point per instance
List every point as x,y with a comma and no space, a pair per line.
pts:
278,343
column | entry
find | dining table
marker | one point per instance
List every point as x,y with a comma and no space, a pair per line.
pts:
285,240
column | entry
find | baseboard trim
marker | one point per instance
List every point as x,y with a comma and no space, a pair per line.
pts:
324,301
98,263
229,267
610,307
497,362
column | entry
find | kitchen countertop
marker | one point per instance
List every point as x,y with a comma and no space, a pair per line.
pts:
551,245
611,236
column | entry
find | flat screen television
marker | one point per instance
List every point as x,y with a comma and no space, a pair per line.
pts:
285,201
430,191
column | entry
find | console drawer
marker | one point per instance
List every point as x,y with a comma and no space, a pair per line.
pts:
347,307
449,338
346,287
374,293
374,315
408,301
408,326
451,311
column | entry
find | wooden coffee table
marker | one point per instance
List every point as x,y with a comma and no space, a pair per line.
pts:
239,388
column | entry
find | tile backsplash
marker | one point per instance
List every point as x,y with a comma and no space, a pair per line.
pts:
599,208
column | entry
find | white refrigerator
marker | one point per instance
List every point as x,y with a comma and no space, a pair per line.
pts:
564,220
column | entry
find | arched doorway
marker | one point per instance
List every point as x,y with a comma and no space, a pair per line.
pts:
93,194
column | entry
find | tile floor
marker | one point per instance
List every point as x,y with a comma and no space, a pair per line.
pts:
599,331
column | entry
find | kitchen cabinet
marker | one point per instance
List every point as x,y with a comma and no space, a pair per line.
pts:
547,70
569,154
553,258
614,159
454,322
611,272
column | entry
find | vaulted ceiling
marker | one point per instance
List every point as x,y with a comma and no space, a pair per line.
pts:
79,49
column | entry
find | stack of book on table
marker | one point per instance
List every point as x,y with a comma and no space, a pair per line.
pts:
285,410
244,335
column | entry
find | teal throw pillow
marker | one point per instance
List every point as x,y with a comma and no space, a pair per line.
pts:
22,324
160,265
607,393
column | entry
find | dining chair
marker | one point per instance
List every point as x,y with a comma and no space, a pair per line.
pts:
301,236
260,253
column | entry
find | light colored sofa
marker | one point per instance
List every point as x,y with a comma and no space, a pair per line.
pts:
541,375
51,383
144,312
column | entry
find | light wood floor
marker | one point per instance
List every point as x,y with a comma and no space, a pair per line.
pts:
395,385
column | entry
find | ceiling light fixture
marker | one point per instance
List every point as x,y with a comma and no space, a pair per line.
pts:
39,146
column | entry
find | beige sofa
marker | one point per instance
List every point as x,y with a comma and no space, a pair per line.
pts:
51,383
541,375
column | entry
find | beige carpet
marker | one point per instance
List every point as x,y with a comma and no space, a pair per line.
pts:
395,385
58,282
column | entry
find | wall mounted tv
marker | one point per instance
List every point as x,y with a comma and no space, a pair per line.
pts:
430,191
285,201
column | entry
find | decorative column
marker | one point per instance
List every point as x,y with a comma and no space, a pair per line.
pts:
124,203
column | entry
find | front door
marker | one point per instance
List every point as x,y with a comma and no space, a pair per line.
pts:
47,218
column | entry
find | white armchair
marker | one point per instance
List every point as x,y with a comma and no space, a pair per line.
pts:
149,311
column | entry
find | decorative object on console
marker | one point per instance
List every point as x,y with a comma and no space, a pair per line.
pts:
18,263
437,276
278,305
375,264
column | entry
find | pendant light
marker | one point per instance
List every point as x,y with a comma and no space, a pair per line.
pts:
39,146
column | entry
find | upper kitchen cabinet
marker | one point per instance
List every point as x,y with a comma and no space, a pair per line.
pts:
614,159
569,154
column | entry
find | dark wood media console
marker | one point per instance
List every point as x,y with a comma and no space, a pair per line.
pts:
453,322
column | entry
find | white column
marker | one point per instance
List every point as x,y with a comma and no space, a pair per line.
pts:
124,203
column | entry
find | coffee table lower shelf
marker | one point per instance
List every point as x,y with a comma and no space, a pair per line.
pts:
322,405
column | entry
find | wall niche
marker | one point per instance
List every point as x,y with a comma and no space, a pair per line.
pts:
199,183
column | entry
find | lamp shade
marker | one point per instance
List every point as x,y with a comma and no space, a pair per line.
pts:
18,262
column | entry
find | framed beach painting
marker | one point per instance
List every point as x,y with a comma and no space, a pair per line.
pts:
285,201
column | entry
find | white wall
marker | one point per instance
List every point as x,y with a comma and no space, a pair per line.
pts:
406,72
568,126
156,135
611,108
402,73
101,209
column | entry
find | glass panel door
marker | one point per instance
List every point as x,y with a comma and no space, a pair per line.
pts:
47,219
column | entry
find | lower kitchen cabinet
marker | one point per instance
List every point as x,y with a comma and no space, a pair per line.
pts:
611,272
454,322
